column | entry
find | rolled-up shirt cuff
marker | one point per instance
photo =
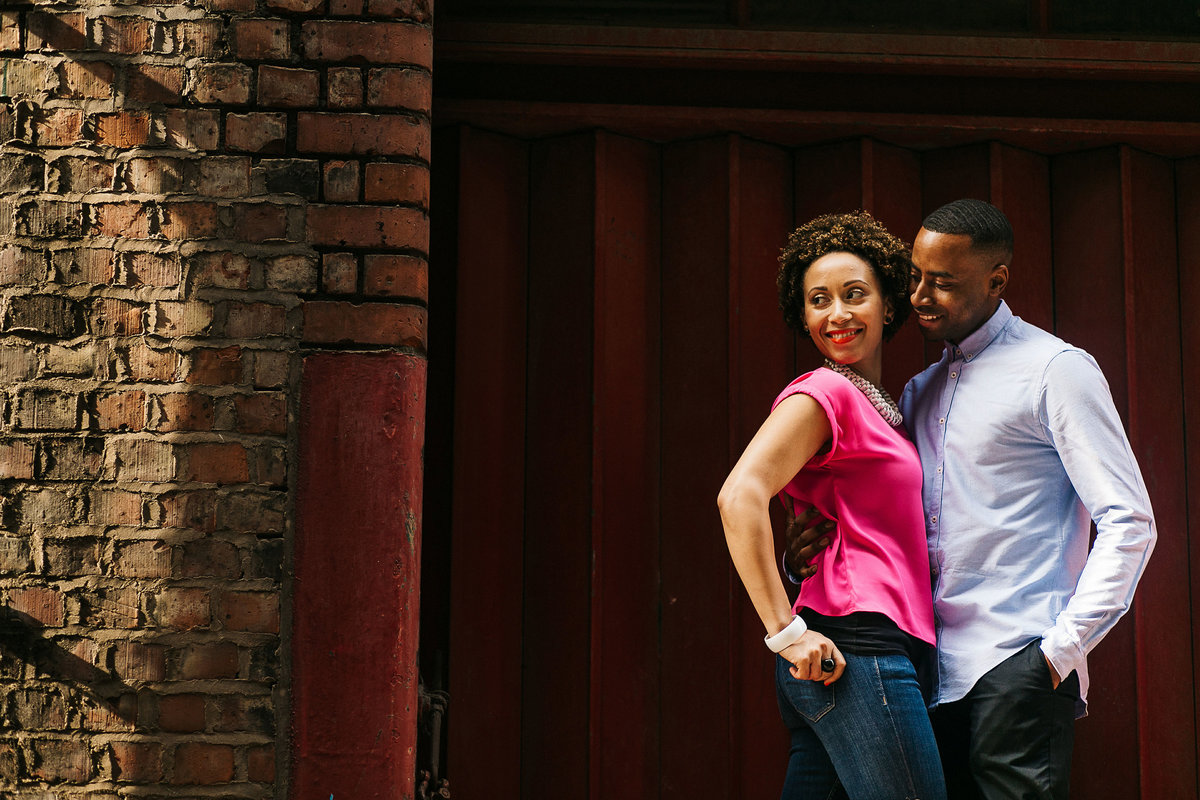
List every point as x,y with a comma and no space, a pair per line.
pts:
1065,655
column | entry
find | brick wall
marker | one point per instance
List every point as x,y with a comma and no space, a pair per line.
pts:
193,196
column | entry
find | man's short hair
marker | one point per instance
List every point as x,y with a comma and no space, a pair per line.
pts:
983,222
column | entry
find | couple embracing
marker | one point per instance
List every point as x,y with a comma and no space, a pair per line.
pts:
938,646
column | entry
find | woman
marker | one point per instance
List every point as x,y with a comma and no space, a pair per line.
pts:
845,671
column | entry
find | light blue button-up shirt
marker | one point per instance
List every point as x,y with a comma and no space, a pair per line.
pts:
1022,449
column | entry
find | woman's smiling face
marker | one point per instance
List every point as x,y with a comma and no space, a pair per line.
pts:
844,310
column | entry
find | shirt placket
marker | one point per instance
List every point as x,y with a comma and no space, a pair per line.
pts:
933,512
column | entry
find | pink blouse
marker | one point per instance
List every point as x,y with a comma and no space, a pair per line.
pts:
869,483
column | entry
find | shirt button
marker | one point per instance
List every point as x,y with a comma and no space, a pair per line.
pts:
933,519
939,470
942,421
953,374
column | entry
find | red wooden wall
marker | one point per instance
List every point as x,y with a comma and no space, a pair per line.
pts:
617,343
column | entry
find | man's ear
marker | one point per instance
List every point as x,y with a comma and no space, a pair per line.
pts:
998,281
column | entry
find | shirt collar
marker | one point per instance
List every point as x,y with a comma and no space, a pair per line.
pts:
978,341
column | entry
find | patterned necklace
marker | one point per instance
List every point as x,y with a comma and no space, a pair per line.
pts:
882,401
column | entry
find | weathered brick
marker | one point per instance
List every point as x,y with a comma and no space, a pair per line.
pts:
390,87
85,80
50,315
231,5
271,369
347,8
59,127
121,411
344,87
24,77
108,506
39,709
183,609
215,367
140,459
368,226
243,714
254,320
158,175
118,714
46,31
255,39
193,128
20,266
287,176
259,222
362,42
416,10
199,38
132,35
215,463
395,182
181,713
155,83
20,172
220,176
50,219
17,459
249,511
190,220
71,558
151,364
69,458
339,273
331,322
137,762
85,360
296,6
112,317
180,318
256,133
124,129
46,409
125,220
260,764
142,559
362,134
227,84
10,31
196,510
210,661
211,558
61,760
82,265
199,763
287,87
261,413
15,555
341,181
75,174
109,608
291,273
149,269
47,507
43,604
396,276
17,363
219,270
181,411
139,661
250,611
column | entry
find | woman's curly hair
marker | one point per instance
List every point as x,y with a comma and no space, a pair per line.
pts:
858,233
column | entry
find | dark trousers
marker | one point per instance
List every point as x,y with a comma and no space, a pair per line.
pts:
1010,738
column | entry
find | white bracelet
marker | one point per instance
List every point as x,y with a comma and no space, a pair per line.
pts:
787,637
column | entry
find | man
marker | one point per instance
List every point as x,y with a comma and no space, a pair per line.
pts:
1021,450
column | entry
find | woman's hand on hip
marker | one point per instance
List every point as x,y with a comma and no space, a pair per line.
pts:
807,654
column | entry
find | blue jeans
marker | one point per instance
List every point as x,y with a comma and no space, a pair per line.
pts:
867,736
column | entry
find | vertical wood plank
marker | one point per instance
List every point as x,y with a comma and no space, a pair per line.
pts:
1187,193
1020,187
625,515
558,501
695,669
1089,286
484,732
891,191
761,356
1166,720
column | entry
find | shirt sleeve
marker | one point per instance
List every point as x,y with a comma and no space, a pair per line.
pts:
1078,415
